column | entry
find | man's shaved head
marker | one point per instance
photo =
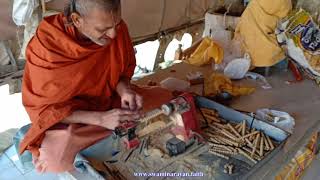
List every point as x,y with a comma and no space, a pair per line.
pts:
97,20
83,7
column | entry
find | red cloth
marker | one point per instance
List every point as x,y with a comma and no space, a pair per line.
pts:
62,75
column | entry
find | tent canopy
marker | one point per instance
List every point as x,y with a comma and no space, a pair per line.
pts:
144,17
148,17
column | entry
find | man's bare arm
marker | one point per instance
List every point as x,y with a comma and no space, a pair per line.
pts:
83,117
108,119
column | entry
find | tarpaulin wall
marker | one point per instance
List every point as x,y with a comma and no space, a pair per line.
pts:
144,17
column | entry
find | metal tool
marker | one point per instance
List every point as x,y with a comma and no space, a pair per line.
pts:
127,132
176,146
186,129
130,153
182,111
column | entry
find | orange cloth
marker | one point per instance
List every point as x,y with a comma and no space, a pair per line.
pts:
61,143
62,75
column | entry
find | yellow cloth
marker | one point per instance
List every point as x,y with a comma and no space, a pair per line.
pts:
256,29
208,51
218,83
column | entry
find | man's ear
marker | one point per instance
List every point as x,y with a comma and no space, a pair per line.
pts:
76,19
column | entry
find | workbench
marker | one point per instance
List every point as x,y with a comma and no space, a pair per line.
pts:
298,99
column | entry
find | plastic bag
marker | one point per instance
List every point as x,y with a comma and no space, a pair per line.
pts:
261,79
280,119
237,68
22,11
301,36
174,84
221,28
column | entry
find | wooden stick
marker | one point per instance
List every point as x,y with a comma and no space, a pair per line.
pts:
238,126
255,156
266,144
150,115
223,151
233,130
243,127
221,146
209,111
212,118
247,155
212,140
230,169
270,143
219,155
210,132
240,129
218,125
255,145
228,134
218,141
214,128
249,135
248,142
230,142
43,7
261,145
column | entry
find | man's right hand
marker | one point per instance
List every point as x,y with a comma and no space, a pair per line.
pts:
113,118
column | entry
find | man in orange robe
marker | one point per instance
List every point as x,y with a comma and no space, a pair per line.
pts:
76,85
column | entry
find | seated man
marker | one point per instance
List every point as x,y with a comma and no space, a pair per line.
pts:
78,64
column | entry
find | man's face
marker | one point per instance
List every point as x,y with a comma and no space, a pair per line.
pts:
100,26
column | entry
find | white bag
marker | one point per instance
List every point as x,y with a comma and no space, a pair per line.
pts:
261,79
22,11
237,68
280,119
220,28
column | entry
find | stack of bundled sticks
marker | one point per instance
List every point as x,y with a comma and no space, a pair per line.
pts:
227,139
